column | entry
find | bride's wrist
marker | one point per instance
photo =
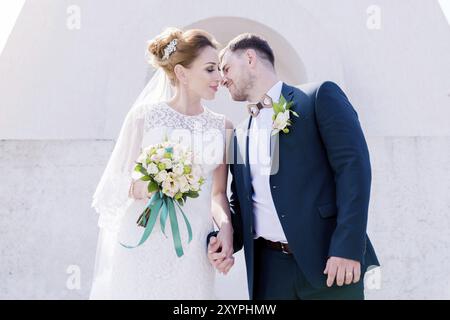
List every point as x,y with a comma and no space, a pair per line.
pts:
226,226
131,190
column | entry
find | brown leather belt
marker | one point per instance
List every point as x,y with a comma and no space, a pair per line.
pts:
279,246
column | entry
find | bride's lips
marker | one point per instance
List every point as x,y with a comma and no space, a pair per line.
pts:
215,88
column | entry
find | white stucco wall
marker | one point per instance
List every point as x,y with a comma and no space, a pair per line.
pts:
64,93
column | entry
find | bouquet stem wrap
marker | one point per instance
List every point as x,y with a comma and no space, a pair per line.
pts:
164,207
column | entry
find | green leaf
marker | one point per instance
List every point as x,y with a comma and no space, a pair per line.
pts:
289,105
192,194
277,107
152,186
139,168
146,178
178,196
295,113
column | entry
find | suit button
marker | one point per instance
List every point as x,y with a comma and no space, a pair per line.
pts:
283,215
274,187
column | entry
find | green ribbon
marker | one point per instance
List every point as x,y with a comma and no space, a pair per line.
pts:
163,218
188,225
159,203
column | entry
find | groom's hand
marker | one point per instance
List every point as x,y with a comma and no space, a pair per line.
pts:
343,270
218,258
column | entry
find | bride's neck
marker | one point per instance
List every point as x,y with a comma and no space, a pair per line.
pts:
186,103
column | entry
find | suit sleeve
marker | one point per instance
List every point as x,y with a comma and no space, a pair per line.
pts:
236,217
348,156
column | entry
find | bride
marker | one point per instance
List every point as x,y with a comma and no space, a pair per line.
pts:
187,64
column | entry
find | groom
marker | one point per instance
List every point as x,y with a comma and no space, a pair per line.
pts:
302,215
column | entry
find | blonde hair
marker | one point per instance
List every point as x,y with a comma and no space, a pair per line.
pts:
189,45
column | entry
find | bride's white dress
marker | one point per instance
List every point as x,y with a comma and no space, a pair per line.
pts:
153,270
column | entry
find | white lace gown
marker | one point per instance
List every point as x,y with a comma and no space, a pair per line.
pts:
153,270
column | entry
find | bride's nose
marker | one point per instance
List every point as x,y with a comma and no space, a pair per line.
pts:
219,79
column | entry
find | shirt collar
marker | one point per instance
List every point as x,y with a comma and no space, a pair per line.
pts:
275,91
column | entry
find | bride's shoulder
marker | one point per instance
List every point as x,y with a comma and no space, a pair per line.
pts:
212,113
144,110
219,118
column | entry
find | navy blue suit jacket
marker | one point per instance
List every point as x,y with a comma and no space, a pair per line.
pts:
320,183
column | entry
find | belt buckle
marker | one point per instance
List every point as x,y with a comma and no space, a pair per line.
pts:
283,248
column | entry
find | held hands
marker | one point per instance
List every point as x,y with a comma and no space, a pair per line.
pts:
220,250
343,270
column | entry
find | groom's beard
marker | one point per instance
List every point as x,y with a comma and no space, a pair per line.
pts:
241,92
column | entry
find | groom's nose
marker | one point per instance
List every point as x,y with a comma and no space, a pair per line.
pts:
224,82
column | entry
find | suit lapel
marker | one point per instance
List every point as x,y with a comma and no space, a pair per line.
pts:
288,93
275,140
247,177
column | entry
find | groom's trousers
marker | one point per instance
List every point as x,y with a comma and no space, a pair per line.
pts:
278,276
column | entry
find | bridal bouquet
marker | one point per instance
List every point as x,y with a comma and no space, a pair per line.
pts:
172,178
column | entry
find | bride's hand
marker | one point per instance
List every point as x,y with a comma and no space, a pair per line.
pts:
138,190
220,250
225,238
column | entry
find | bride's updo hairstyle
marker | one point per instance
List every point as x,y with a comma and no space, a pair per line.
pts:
187,47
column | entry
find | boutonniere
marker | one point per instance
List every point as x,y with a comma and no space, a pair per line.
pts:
281,117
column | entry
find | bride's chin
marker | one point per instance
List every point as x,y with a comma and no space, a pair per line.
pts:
210,97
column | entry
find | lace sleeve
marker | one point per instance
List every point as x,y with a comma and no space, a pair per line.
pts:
111,199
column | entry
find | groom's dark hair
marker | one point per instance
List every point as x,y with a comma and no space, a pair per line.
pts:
251,41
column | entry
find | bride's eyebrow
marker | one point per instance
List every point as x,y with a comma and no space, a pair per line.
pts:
213,63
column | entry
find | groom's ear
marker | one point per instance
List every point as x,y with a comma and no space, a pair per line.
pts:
251,56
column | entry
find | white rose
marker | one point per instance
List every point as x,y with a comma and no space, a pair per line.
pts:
190,177
183,184
195,186
178,169
185,188
161,176
167,163
142,158
168,189
152,168
281,120
170,185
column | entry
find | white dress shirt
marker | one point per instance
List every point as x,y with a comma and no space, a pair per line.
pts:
266,221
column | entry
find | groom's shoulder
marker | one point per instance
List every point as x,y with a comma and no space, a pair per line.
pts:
313,89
